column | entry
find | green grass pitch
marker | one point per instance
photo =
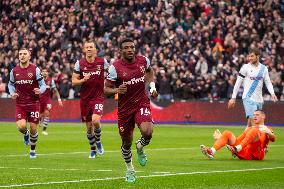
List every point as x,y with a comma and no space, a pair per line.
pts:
174,160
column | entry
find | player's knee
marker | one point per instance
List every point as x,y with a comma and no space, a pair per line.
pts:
46,113
147,134
21,124
96,122
227,133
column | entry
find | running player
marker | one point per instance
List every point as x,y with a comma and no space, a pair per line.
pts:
25,86
127,77
89,74
45,100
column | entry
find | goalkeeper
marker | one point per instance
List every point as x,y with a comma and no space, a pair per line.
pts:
252,144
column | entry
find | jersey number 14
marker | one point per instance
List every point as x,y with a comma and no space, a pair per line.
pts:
145,111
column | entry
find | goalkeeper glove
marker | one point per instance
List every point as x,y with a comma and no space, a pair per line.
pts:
265,129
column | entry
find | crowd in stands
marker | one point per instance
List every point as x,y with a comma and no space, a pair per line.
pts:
196,47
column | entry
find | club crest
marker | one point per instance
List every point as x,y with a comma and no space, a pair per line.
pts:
142,69
30,75
99,67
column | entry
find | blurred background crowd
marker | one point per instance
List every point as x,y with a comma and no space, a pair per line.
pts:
196,47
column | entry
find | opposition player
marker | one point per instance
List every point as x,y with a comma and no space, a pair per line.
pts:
25,86
252,75
250,145
45,100
127,77
89,74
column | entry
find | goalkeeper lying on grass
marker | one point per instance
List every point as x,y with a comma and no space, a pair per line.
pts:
250,145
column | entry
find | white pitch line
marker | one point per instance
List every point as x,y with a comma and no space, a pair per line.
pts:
41,168
161,172
113,151
110,151
145,176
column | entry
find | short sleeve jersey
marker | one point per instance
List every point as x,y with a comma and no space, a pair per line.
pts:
25,80
133,75
93,88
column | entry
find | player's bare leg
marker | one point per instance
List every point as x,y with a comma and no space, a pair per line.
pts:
22,127
127,156
33,139
146,129
45,121
96,119
91,137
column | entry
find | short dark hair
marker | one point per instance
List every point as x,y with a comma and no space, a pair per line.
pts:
44,68
89,41
260,110
24,49
124,41
255,51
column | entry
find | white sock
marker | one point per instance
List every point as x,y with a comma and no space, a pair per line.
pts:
239,147
139,146
129,166
213,150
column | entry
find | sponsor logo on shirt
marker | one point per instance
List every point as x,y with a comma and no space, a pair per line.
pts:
92,73
134,81
256,78
25,81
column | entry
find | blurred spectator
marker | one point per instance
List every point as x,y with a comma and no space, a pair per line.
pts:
64,87
188,39
164,86
2,89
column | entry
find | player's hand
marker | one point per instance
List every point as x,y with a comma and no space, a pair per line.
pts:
122,89
274,98
60,102
231,103
37,91
265,129
217,134
87,76
14,95
154,93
